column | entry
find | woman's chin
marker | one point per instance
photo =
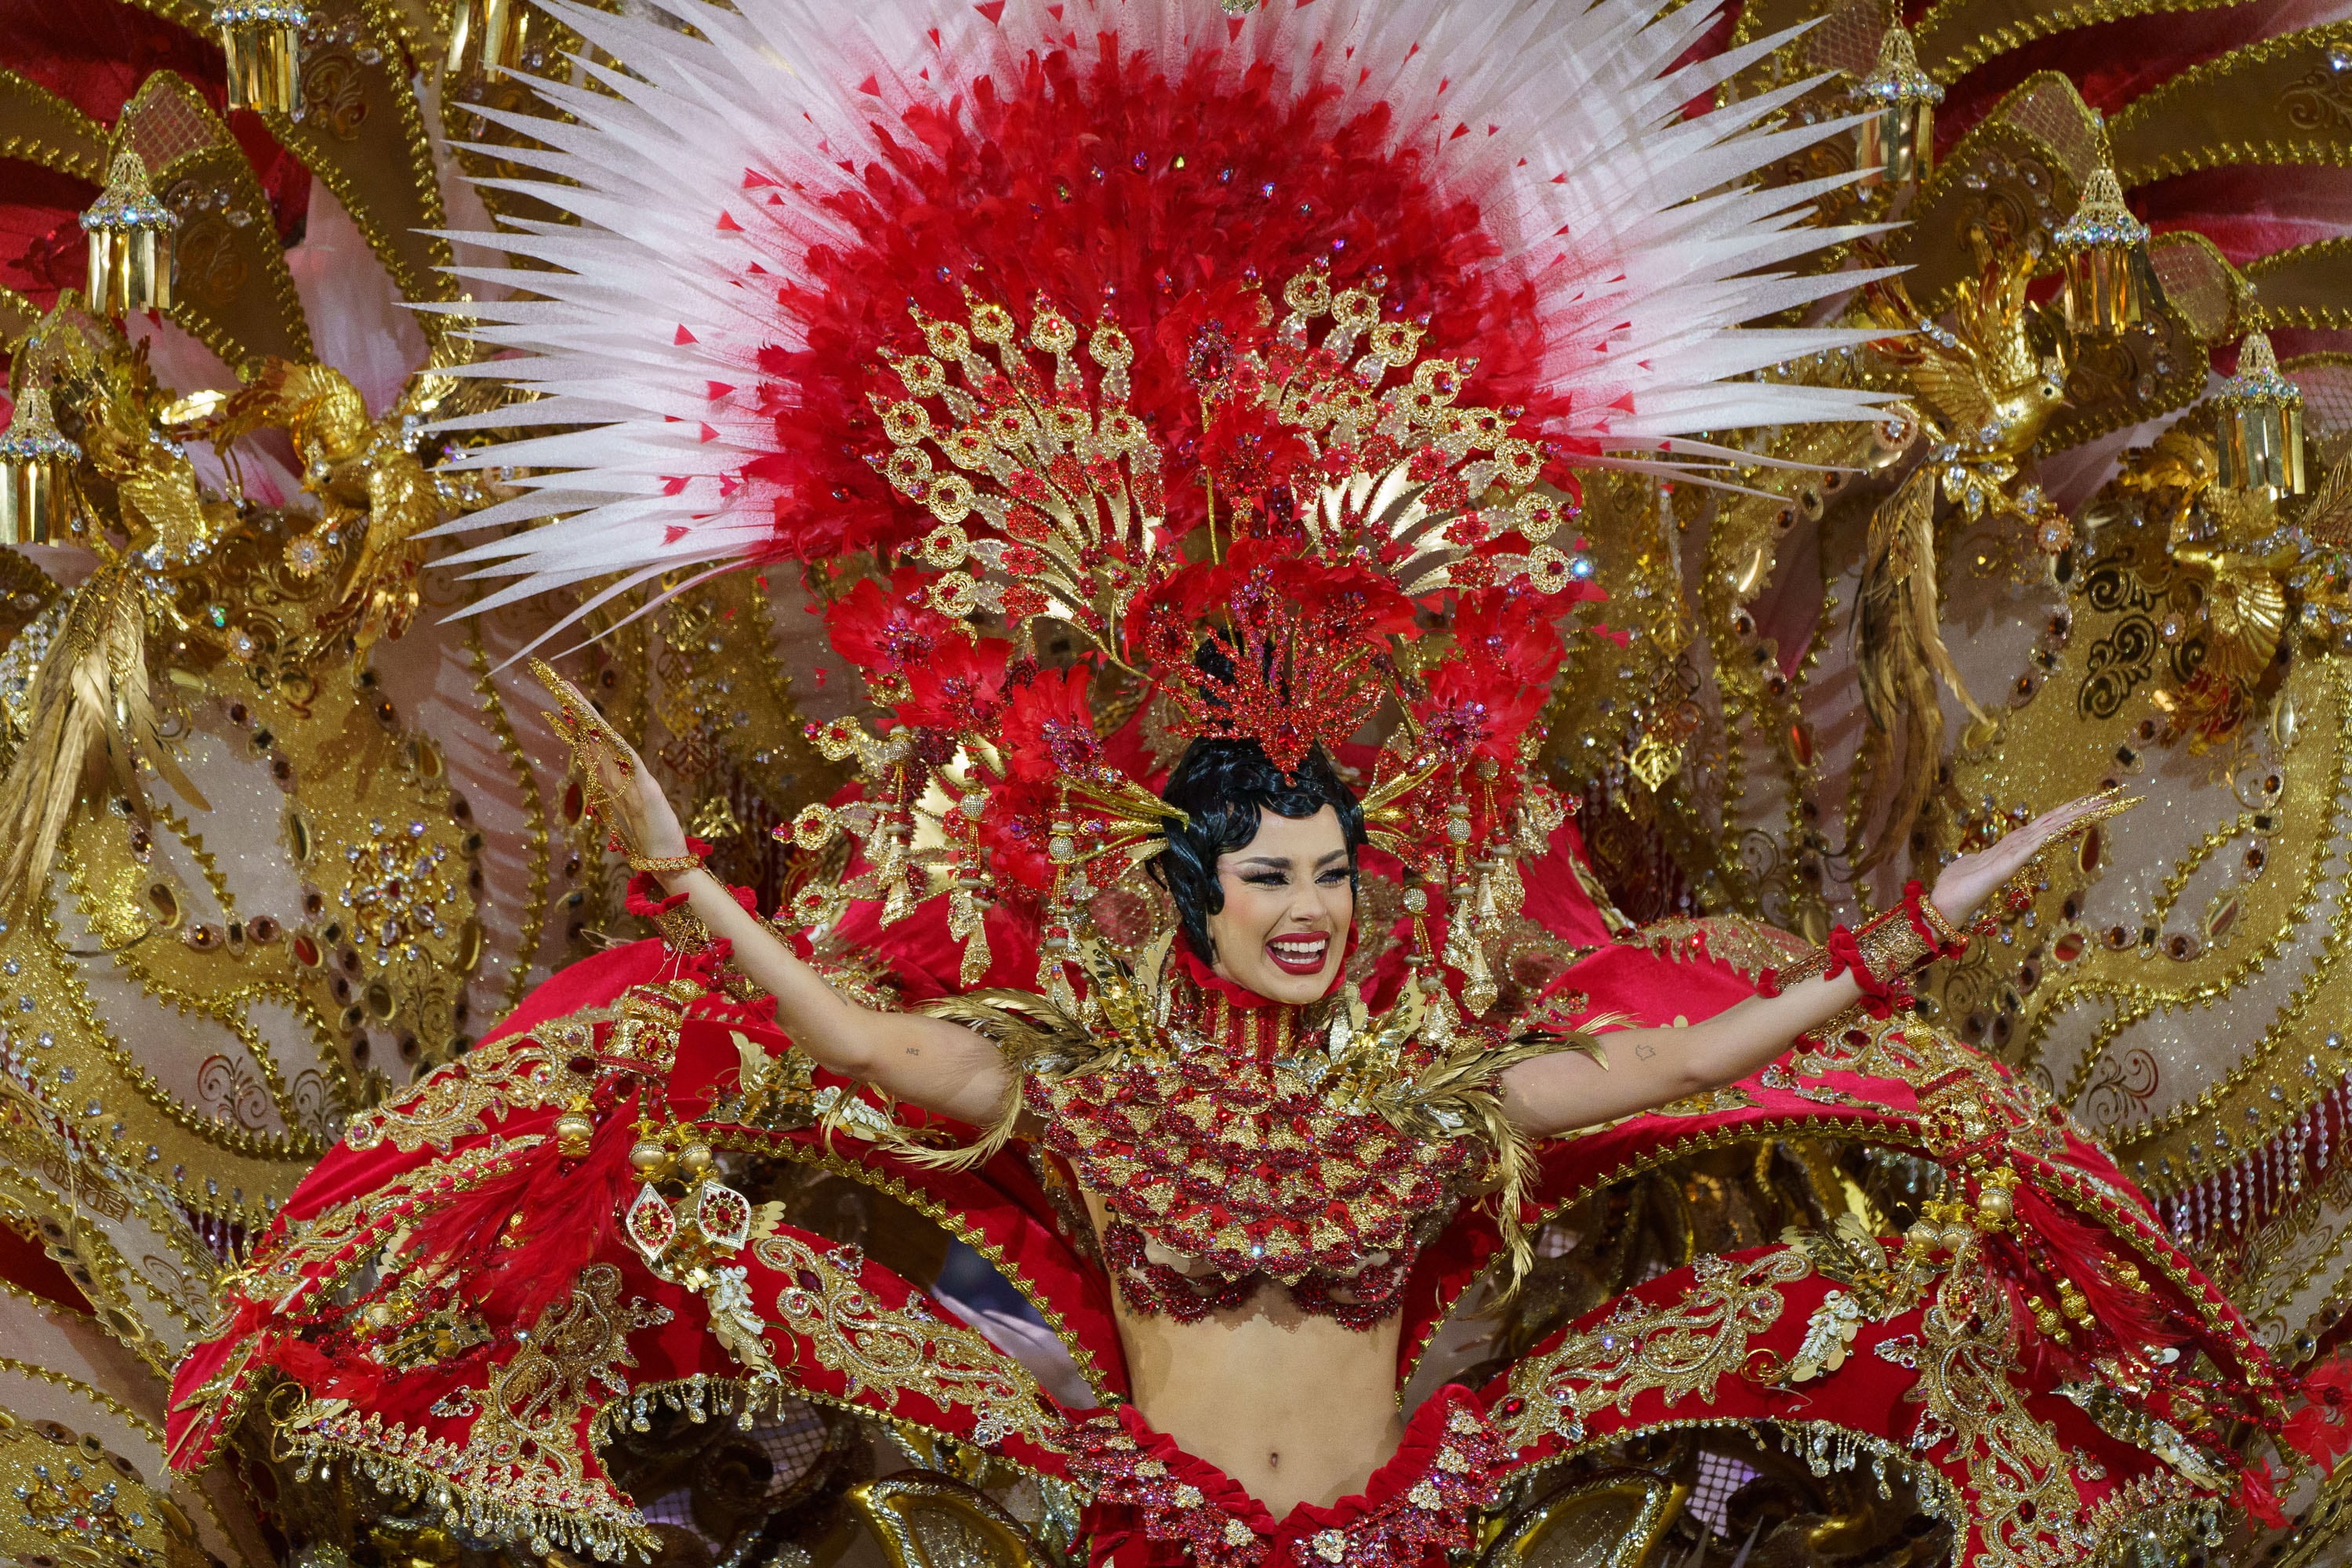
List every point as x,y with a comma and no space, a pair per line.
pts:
1278,984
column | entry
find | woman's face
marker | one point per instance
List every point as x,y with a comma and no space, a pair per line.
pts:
1288,904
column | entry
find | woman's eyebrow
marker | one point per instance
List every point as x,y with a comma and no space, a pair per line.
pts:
1278,862
1336,855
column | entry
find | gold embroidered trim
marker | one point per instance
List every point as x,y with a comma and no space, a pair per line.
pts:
519,1473
902,1352
1682,1348
522,1073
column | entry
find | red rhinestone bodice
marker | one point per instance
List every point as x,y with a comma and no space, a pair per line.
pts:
1225,1162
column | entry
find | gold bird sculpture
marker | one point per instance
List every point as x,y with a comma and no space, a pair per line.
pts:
1987,390
371,489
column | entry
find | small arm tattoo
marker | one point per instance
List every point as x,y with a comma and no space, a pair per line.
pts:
1643,1050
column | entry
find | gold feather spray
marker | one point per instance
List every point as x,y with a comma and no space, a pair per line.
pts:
93,723
1899,652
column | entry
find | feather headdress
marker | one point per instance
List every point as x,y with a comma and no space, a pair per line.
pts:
763,191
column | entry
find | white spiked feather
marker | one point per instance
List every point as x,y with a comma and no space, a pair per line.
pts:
1563,121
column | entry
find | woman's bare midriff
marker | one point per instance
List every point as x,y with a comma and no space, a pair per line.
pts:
1295,1408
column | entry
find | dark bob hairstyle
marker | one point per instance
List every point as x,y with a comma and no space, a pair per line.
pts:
1225,786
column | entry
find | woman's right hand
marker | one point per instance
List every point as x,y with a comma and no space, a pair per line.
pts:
644,818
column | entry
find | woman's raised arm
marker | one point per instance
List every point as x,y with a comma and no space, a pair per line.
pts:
943,1068
1649,1068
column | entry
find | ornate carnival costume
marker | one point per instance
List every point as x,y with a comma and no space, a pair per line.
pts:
1134,374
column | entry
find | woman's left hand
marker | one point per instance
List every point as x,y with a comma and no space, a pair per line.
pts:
1969,880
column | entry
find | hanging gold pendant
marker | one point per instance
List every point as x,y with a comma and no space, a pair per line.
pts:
1896,145
263,39
2110,282
37,465
486,35
2260,424
129,234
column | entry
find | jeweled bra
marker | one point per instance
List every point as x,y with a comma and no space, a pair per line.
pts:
1235,1140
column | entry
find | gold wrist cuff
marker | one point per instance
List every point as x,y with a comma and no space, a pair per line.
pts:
670,863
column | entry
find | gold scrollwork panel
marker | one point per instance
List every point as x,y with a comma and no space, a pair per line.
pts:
2281,100
2308,286
2118,381
1612,1521
147,1278
362,133
340,948
927,1521
39,127
2015,176
231,285
1958,36
2115,985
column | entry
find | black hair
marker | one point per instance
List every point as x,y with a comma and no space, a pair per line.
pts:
1224,787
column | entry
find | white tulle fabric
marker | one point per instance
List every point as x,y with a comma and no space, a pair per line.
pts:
1646,243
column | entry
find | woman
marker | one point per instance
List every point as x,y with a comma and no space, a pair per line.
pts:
1295,1405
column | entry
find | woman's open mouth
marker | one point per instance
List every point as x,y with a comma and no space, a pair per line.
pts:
1300,955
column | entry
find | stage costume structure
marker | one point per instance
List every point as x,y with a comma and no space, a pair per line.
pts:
1142,378
1405,641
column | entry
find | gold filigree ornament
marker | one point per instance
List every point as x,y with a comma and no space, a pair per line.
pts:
1676,1349
81,1505
693,1244
527,1072
2024,1500
518,1474
888,1353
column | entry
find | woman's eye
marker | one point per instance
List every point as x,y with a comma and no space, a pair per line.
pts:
1332,878
1267,879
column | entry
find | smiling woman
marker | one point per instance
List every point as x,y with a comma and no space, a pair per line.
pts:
1263,871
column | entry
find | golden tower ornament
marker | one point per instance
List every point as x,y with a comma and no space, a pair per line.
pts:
1896,145
2110,282
2260,424
263,39
130,234
36,473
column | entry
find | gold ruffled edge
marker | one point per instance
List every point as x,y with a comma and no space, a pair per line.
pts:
609,1528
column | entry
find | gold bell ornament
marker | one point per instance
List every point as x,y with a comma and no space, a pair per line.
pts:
36,473
130,234
263,39
486,35
2110,282
2260,424
1896,145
